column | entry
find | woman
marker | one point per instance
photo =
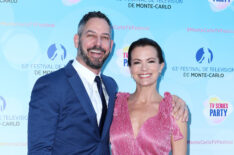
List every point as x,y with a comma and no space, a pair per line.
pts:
142,123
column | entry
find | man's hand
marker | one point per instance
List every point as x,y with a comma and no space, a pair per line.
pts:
180,110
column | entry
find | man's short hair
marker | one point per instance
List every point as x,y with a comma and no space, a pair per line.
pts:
93,14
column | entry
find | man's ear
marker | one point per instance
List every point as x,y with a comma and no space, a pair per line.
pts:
111,45
76,40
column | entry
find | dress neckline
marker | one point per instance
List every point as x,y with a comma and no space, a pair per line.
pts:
143,124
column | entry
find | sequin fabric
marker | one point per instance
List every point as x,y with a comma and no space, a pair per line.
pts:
154,136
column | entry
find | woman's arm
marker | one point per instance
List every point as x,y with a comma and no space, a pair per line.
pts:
179,147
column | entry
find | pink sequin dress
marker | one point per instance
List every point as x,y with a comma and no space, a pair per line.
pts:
154,136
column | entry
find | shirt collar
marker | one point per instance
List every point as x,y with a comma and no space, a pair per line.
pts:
84,72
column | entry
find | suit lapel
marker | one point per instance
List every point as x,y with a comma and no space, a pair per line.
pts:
81,93
111,93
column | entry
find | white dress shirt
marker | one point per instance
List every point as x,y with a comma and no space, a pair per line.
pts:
87,77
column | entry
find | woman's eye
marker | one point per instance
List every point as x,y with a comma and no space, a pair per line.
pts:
151,61
136,62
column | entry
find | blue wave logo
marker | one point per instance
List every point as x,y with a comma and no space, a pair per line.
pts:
2,104
204,55
57,51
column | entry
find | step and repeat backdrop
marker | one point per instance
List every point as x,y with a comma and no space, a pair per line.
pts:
197,37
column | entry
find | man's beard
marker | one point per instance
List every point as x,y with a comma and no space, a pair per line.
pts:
96,63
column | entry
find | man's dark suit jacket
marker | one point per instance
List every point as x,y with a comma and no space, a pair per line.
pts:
62,120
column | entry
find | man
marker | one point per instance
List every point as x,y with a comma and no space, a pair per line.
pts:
70,112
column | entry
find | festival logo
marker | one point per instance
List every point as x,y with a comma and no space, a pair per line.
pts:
70,2
122,60
219,5
10,119
2,104
57,51
204,55
151,4
216,110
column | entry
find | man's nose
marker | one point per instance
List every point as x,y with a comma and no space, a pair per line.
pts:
98,41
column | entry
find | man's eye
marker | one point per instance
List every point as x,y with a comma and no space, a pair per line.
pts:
106,37
90,35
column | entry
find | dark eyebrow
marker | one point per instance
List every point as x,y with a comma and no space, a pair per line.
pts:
152,58
136,59
91,31
146,59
